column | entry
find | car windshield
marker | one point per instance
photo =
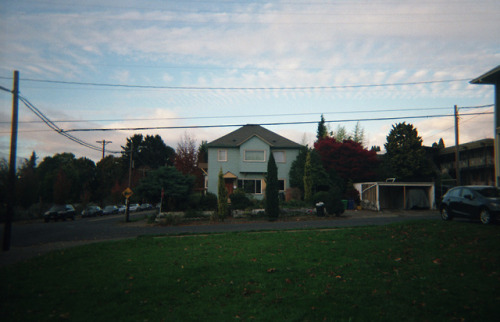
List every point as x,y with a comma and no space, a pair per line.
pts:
57,208
490,192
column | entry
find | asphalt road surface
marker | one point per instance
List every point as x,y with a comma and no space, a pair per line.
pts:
30,239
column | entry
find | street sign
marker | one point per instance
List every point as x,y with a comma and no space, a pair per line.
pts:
127,193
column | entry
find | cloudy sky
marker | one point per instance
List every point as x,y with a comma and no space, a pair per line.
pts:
102,64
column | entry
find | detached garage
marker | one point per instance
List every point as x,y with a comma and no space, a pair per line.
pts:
396,195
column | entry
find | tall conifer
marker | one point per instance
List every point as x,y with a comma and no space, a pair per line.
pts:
272,189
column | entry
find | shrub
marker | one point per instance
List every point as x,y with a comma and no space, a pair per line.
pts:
170,219
239,200
192,213
295,204
194,201
208,201
321,196
293,194
332,200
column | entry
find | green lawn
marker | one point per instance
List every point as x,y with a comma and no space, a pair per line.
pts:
426,270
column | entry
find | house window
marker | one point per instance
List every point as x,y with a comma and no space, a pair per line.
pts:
279,156
281,185
255,156
222,155
250,185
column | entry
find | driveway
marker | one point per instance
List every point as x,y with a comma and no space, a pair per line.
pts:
32,239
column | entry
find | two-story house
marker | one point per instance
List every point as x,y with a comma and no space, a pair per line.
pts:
243,156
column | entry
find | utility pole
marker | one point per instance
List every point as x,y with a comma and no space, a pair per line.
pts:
457,147
103,142
127,210
11,183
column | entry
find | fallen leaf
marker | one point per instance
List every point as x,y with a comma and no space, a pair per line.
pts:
64,315
271,270
437,261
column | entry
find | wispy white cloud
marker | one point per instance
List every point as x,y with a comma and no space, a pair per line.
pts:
250,44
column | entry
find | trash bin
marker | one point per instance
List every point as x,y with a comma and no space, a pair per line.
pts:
350,204
320,209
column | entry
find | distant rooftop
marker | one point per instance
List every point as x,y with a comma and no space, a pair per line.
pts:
468,146
490,78
246,132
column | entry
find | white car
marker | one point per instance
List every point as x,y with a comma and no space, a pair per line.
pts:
133,207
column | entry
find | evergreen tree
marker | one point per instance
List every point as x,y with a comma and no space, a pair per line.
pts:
221,198
341,134
358,135
439,145
27,182
149,152
406,155
272,189
176,186
322,130
308,179
296,174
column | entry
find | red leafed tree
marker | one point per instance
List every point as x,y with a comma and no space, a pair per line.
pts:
349,159
186,156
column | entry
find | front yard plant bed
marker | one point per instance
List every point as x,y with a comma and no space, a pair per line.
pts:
416,271
197,217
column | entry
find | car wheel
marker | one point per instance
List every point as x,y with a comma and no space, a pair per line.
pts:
446,214
485,216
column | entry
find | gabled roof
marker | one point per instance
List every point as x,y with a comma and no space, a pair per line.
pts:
244,133
490,78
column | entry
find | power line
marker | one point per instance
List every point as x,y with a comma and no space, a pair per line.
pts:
266,124
257,115
54,127
284,88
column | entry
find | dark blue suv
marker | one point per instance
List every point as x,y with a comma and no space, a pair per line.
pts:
475,202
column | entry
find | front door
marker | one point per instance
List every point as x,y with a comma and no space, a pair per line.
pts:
229,186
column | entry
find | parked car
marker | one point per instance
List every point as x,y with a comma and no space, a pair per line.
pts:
133,207
145,206
57,212
122,209
110,210
475,202
92,211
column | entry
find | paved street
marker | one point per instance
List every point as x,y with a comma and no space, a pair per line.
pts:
34,238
